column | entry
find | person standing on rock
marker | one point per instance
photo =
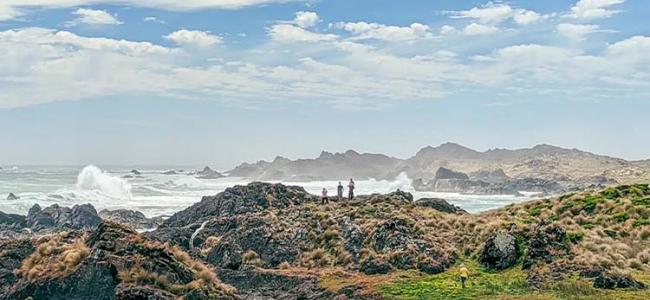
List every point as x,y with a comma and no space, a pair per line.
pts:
324,199
464,274
351,189
339,191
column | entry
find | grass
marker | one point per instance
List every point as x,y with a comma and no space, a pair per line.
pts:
482,283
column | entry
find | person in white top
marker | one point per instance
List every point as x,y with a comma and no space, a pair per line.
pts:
324,199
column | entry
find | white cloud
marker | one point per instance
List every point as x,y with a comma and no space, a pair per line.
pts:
363,30
446,29
154,20
8,12
291,33
194,38
591,9
10,9
525,17
576,32
93,17
306,19
492,13
479,29
42,65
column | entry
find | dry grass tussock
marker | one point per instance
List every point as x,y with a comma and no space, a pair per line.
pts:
56,256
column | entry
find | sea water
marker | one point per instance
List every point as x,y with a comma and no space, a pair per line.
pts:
155,193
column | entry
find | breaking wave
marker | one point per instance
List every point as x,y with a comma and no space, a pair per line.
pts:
92,178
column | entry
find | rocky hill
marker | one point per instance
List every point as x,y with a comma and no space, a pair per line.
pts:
543,168
271,241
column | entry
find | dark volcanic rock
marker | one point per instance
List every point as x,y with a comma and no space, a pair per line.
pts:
11,196
12,254
114,262
256,196
170,172
129,292
440,205
547,242
617,281
57,217
444,173
132,218
135,172
500,251
375,265
11,220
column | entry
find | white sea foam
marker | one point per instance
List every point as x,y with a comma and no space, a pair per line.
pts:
157,194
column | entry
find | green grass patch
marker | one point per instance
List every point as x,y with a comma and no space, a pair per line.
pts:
641,201
535,212
621,217
481,284
641,222
575,236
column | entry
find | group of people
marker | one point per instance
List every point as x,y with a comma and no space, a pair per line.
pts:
339,192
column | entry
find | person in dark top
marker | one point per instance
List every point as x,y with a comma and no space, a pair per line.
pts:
339,191
351,189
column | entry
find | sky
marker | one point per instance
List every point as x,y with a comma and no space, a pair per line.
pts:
225,81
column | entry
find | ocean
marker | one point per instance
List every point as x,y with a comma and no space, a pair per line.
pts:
154,193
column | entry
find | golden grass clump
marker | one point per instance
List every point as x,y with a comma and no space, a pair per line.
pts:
55,256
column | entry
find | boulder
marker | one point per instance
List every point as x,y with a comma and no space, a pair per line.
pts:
440,205
132,218
135,172
547,242
375,265
170,172
12,197
617,281
500,251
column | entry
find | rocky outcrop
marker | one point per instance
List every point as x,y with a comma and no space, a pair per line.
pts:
170,172
440,205
57,217
500,251
547,243
489,176
135,172
207,173
612,281
132,218
11,257
279,224
12,197
113,262
254,197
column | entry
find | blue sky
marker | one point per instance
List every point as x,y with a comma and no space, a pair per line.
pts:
224,81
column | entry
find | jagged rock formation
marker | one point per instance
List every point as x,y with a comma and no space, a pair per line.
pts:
12,196
283,224
112,262
207,173
543,168
135,172
132,218
55,216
